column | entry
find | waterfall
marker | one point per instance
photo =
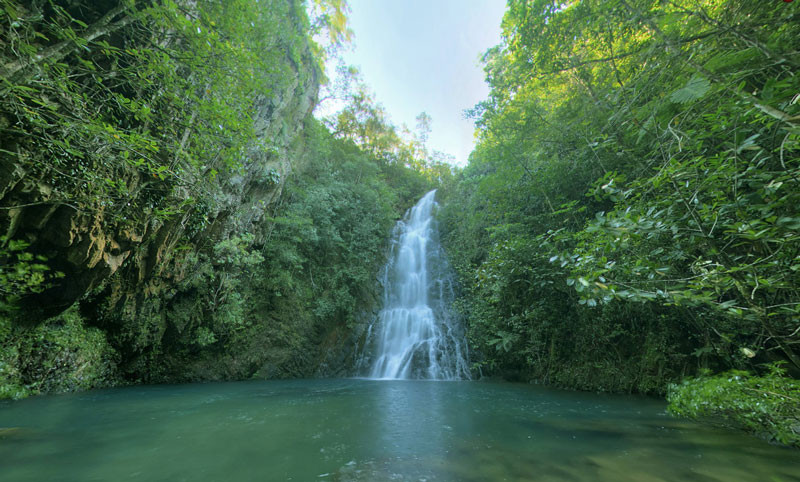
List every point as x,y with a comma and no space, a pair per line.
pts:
416,335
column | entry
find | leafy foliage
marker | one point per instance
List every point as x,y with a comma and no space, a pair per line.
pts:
365,122
269,303
135,106
766,405
629,214
60,355
21,272
157,121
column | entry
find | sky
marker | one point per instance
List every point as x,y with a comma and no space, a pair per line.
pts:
423,55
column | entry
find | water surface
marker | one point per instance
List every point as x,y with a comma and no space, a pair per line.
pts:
354,430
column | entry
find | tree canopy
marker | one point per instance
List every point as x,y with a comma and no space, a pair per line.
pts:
632,202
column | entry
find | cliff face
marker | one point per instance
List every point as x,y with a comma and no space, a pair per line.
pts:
134,306
169,209
89,241
123,160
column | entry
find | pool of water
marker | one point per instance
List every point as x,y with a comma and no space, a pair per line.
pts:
353,430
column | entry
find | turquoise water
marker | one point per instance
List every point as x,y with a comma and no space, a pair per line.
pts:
307,430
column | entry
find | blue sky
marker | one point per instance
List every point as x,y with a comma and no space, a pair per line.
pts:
423,55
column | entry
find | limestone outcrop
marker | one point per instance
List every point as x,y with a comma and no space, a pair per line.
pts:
115,230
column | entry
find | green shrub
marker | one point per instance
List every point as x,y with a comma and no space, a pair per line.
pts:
766,405
60,355
10,383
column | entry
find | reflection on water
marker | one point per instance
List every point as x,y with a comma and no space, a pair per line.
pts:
363,430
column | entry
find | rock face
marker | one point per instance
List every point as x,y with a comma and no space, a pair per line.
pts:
124,257
89,245
88,249
341,350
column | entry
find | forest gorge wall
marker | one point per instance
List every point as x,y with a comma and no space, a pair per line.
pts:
135,139
91,239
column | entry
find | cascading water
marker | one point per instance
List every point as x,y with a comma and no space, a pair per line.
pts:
415,335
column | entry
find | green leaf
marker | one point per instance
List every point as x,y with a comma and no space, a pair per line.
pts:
696,88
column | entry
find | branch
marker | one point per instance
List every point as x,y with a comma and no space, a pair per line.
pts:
623,55
749,41
670,47
62,49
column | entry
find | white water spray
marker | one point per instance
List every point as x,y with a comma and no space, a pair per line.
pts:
416,335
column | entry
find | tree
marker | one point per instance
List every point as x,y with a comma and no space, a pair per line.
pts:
638,155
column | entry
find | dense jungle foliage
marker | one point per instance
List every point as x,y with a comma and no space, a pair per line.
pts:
164,182
630,214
